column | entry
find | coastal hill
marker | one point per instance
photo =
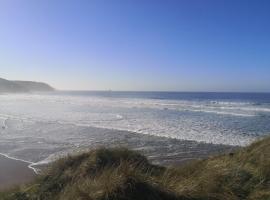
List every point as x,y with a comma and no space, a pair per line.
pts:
121,174
7,86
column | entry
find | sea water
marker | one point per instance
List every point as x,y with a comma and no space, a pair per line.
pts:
35,127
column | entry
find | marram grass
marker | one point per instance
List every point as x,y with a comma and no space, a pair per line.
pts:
121,174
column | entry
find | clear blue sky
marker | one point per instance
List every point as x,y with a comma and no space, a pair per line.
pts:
181,45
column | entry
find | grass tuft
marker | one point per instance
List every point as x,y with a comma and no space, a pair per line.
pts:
121,174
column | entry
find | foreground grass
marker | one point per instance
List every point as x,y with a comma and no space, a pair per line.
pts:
120,174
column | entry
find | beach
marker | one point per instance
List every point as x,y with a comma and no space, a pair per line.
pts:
14,172
168,128
159,150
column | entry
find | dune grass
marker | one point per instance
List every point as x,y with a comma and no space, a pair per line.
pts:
121,174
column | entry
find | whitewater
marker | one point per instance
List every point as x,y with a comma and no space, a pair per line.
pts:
36,127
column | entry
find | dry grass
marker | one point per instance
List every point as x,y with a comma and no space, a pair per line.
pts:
120,174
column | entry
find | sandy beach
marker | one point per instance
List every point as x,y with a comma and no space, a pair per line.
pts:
32,145
14,172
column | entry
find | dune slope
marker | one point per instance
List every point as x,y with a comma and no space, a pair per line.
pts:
110,174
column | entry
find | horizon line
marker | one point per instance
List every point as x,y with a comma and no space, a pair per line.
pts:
171,91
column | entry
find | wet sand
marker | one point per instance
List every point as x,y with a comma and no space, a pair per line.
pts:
159,150
14,172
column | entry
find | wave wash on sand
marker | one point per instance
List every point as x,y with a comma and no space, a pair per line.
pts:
38,128
120,174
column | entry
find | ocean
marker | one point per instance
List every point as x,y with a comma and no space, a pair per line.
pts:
37,127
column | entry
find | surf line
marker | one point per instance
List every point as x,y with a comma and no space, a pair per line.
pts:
30,166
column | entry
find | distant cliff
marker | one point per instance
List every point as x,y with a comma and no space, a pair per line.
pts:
7,86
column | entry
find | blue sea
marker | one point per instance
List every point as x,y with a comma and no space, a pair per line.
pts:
36,127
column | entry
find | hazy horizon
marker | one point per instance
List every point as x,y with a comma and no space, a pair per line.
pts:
188,46
162,91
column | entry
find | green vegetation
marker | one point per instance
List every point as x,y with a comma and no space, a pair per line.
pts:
7,86
120,174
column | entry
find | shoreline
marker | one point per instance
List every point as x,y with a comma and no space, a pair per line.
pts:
14,172
159,150
21,160
147,144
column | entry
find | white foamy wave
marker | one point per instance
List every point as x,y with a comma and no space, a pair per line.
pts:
230,103
46,121
226,113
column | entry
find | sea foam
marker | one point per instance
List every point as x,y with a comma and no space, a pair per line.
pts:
45,124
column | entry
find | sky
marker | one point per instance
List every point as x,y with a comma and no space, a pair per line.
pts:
142,45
